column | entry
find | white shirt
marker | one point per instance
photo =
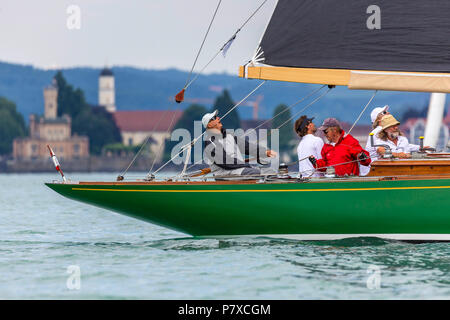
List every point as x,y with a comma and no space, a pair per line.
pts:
402,145
310,145
364,170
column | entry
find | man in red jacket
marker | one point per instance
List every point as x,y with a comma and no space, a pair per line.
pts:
343,152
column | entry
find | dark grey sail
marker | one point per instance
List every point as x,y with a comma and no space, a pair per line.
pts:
395,35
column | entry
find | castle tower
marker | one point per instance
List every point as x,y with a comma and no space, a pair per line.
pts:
106,92
51,101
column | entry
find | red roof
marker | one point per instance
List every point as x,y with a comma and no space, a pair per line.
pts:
447,118
147,120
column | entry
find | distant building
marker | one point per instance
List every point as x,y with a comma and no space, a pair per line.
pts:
52,130
415,128
106,90
359,132
136,126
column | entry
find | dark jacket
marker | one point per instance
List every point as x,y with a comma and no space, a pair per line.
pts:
224,152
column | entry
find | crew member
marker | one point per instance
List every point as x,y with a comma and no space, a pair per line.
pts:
392,136
309,145
375,117
343,152
224,151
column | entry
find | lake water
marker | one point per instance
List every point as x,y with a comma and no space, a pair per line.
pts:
55,248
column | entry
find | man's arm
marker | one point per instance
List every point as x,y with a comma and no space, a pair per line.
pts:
318,145
320,164
413,147
252,149
215,153
359,153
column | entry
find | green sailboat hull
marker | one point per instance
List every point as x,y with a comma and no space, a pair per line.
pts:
398,209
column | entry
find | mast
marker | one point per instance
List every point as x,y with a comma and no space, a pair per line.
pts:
434,119
397,45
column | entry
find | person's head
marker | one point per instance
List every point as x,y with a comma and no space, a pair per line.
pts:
332,129
390,128
377,114
212,121
304,126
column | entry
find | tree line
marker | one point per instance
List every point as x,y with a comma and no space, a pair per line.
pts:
94,122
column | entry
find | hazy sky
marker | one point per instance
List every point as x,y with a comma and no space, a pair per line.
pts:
143,33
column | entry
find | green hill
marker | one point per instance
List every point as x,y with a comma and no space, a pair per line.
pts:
154,89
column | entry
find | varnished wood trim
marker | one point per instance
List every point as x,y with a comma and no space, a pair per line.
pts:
320,76
249,182
338,77
392,163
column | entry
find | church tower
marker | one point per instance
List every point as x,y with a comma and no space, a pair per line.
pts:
106,92
51,101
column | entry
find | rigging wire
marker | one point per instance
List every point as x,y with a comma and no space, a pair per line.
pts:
281,112
306,107
288,108
190,144
161,145
359,117
274,174
203,42
121,176
180,96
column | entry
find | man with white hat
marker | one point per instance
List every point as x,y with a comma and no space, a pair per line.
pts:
375,117
224,151
391,135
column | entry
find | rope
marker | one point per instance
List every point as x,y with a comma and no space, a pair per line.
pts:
283,111
334,165
272,174
230,39
196,139
203,42
306,107
145,142
160,146
359,117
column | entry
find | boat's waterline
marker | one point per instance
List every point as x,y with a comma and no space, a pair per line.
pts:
416,209
319,237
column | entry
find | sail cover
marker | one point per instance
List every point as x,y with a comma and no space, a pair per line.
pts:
388,35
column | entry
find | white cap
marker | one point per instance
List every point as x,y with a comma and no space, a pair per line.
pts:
207,117
375,112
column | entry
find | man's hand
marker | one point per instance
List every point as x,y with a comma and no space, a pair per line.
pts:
313,160
428,148
362,157
402,155
381,150
271,154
